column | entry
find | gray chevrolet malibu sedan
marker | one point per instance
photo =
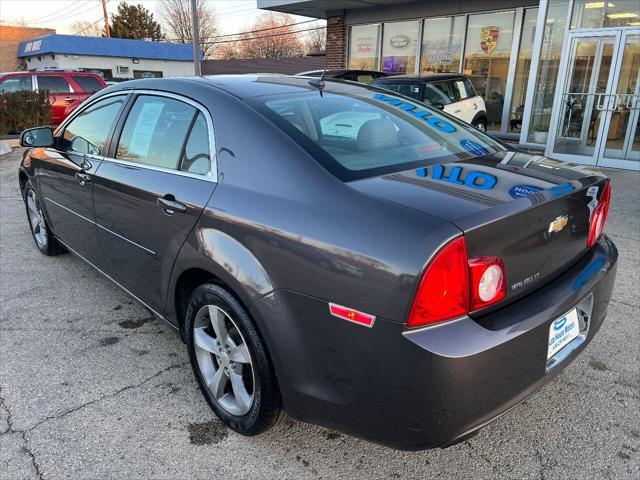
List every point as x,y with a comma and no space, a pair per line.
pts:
334,250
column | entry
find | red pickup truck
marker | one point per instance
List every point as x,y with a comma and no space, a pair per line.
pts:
67,88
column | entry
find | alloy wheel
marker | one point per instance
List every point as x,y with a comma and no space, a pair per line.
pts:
224,360
36,219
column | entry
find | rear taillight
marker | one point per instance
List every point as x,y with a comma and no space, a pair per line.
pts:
599,216
454,285
487,281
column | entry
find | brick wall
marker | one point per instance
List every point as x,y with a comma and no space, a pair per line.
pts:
336,42
10,38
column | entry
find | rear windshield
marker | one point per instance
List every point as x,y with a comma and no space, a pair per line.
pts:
373,133
88,83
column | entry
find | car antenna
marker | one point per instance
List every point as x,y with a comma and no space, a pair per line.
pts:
319,83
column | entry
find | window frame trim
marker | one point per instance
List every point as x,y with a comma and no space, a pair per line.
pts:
114,136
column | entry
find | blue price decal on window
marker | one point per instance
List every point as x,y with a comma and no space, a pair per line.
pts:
473,147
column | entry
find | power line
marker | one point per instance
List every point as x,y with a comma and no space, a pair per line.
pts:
55,14
263,36
252,31
64,14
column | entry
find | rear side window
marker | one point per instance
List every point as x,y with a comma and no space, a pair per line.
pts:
195,157
53,84
469,87
16,84
155,131
88,83
407,89
88,132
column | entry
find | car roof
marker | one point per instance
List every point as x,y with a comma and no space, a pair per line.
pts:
425,77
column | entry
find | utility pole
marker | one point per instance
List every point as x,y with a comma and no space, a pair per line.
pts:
107,28
195,38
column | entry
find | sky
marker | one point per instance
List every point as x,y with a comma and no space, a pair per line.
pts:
233,15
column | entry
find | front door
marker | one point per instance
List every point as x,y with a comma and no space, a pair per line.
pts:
65,179
148,197
596,113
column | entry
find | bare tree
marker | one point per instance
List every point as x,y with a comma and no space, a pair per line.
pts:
226,51
316,40
278,38
176,15
87,28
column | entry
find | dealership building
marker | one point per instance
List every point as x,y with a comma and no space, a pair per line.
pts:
560,75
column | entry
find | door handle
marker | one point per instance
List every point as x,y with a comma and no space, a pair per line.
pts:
170,205
457,111
68,99
83,177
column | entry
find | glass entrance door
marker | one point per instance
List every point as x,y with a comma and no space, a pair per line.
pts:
622,144
598,107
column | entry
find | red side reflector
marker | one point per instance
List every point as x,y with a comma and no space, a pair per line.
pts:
351,315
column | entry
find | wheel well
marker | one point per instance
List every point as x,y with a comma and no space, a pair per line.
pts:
188,281
480,116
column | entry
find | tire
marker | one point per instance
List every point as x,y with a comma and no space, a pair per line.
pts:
481,125
44,238
229,377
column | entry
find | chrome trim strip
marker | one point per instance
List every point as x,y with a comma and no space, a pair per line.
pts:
69,210
100,226
125,239
205,178
119,285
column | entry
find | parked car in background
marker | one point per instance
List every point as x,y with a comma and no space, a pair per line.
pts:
452,92
67,88
361,76
406,281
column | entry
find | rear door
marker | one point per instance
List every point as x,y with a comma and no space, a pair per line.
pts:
61,94
64,174
16,83
150,193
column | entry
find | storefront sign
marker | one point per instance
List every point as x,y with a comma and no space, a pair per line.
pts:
442,59
399,41
489,39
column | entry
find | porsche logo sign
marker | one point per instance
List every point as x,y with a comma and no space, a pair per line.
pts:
489,38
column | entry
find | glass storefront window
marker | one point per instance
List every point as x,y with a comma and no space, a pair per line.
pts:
486,59
399,47
363,47
554,31
523,67
615,13
442,44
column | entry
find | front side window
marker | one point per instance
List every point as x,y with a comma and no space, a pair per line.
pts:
435,96
447,89
15,84
369,133
87,133
155,131
53,84
88,83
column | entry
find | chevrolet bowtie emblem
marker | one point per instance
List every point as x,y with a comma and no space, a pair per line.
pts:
559,223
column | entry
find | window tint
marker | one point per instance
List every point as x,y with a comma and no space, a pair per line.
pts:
88,83
87,133
447,89
155,131
381,133
435,96
364,78
195,158
53,84
16,84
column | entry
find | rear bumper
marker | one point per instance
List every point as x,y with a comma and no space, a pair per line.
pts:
430,387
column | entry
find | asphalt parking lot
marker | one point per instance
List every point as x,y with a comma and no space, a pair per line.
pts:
92,386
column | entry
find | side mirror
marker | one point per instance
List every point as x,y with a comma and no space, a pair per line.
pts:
438,105
37,137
